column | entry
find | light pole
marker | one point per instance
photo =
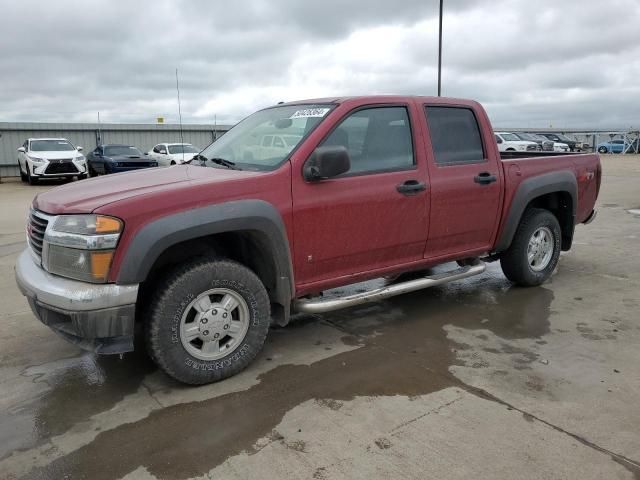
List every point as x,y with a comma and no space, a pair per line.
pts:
440,52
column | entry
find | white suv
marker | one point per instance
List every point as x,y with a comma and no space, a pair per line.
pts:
50,158
173,153
509,142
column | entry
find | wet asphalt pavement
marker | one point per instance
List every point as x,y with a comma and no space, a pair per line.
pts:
475,379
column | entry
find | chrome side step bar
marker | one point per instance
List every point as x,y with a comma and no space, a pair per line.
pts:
315,305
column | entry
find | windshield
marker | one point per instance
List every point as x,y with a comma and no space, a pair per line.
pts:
562,138
121,150
526,136
183,149
51,146
265,139
509,137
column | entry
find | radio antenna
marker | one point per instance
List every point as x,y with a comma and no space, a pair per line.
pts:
99,131
179,107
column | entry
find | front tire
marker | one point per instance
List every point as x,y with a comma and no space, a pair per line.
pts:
23,176
208,320
602,150
30,178
534,252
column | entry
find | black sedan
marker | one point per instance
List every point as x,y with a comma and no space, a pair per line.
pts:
117,158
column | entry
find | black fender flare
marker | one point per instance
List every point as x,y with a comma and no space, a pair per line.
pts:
531,188
242,215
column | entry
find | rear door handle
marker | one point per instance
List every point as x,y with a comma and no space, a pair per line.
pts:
485,178
411,187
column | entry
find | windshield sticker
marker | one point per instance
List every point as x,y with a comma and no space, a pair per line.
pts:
310,113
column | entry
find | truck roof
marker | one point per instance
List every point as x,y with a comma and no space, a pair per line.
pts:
380,98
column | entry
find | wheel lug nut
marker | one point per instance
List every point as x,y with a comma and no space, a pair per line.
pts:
226,327
204,320
206,332
214,311
216,335
224,315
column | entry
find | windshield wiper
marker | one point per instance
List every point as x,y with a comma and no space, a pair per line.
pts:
224,162
218,161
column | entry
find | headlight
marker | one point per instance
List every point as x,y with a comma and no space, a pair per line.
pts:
81,246
81,158
36,159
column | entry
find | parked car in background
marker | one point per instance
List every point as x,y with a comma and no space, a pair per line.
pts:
510,142
270,146
50,158
173,153
544,144
117,158
574,145
550,144
612,146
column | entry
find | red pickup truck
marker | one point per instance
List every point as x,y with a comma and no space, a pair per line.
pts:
294,200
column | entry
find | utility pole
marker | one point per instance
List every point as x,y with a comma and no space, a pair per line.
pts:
440,52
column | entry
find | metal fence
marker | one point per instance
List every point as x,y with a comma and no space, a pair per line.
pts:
89,135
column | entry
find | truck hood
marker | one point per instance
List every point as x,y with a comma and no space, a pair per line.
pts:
85,196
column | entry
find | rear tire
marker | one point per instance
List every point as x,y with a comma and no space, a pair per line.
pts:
208,320
535,249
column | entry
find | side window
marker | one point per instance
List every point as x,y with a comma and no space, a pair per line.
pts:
277,142
455,135
498,139
266,140
156,149
377,139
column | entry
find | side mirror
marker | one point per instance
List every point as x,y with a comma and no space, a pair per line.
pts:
326,162
79,148
146,153
97,154
22,150
163,152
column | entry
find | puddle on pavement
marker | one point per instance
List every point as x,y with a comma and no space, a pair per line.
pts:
404,351
76,389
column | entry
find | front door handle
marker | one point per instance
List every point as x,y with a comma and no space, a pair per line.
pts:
411,187
485,178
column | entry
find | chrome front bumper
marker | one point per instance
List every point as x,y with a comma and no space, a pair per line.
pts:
97,317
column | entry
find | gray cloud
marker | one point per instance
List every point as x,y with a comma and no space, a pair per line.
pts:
562,63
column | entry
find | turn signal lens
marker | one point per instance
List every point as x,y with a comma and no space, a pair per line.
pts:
100,263
107,224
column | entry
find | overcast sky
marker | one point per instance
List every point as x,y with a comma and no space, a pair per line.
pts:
571,63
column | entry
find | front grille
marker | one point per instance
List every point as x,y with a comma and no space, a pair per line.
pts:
35,231
64,165
532,147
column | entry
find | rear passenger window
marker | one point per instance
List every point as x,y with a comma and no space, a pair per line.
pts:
377,139
455,135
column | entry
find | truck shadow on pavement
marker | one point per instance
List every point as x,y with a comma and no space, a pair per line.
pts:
403,349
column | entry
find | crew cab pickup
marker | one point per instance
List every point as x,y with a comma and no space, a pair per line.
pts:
204,257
